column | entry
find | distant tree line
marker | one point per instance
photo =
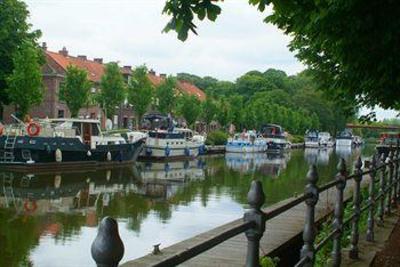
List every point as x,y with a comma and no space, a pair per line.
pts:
257,98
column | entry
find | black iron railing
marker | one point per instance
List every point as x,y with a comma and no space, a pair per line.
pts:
108,249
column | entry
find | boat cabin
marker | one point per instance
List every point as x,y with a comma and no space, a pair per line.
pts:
84,128
272,130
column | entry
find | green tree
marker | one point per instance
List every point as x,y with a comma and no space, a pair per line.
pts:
15,30
24,84
140,92
75,89
351,46
165,94
208,110
189,107
112,92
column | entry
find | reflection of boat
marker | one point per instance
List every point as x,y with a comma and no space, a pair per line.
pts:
344,152
62,142
318,156
267,164
344,139
357,140
246,142
275,137
174,171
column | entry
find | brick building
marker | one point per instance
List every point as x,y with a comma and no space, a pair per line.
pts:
54,71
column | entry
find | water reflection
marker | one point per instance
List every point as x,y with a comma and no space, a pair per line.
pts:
319,156
48,219
269,164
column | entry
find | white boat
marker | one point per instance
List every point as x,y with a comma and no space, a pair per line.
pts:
246,142
325,139
179,143
345,139
312,139
275,137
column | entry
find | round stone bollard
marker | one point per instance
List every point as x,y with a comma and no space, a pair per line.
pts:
107,248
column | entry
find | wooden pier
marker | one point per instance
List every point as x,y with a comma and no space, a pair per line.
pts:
280,232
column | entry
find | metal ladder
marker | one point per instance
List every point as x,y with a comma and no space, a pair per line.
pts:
8,190
9,146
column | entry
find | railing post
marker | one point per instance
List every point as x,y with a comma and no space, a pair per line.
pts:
311,191
371,201
356,209
397,184
255,215
107,248
382,185
390,186
339,209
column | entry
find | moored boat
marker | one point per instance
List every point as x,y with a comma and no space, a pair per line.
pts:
63,143
388,141
311,139
246,142
325,139
345,138
275,137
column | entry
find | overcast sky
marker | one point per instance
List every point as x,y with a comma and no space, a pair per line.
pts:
129,31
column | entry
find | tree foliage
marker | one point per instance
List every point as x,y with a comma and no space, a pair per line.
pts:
24,84
189,108
75,89
165,94
14,32
350,46
112,92
140,92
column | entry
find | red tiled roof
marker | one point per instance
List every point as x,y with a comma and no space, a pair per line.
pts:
183,86
95,70
191,89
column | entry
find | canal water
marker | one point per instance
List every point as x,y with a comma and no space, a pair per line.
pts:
50,219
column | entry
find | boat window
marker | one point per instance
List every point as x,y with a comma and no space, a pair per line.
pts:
78,127
95,129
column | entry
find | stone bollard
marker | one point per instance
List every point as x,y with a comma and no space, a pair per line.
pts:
338,213
371,201
256,199
356,209
107,248
311,191
382,189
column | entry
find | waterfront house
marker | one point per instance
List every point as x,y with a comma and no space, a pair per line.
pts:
54,71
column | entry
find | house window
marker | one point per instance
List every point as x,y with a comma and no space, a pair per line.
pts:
60,113
125,122
93,115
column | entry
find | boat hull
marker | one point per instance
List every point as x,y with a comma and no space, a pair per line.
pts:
39,151
344,142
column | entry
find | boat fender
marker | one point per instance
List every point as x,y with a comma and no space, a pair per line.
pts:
148,151
187,151
33,129
167,151
58,155
108,156
89,154
108,175
30,206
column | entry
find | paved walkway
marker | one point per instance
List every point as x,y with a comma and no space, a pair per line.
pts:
279,232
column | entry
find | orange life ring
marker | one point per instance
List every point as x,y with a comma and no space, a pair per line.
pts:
33,129
1,129
30,206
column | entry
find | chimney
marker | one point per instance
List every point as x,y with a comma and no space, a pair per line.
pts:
98,60
44,46
163,75
63,52
152,72
83,57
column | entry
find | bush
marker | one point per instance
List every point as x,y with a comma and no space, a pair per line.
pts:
216,138
295,139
